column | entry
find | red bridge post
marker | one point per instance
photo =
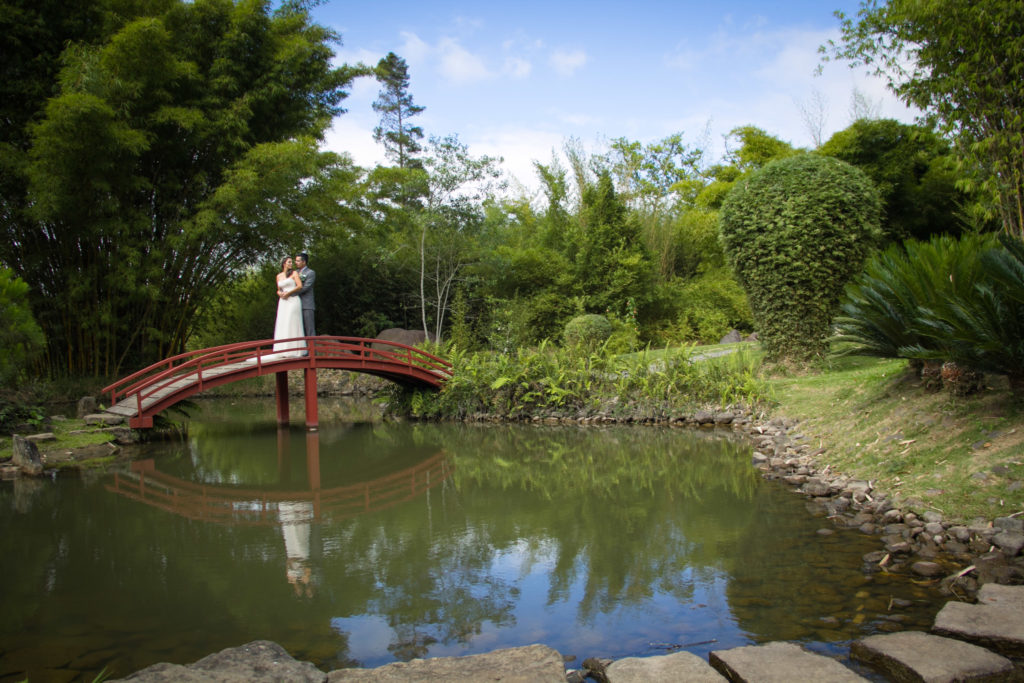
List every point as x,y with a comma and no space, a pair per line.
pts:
281,392
312,420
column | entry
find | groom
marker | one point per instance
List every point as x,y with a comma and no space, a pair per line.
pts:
308,278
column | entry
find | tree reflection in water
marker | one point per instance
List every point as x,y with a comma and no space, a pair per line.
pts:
423,540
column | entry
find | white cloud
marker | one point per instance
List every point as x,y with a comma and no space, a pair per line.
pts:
460,65
520,147
414,49
517,67
355,138
566,63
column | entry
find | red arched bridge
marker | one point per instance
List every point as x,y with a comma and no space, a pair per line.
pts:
151,390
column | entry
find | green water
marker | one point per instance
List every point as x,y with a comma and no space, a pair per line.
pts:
367,543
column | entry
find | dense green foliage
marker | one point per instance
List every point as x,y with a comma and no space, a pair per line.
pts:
559,382
587,331
20,336
796,231
913,169
962,63
943,300
175,144
157,160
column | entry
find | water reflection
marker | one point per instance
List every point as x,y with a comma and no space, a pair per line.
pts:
366,543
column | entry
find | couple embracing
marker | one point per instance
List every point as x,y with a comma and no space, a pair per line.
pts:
296,308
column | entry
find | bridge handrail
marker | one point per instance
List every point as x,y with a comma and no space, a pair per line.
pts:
152,377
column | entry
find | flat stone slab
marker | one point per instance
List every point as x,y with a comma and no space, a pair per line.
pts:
103,419
1010,597
917,657
678,666
260,661
529,664
996,622
778,663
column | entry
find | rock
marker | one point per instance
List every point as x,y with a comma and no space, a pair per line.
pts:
679,666
927,569
86,406
816,487
996,622
517,664
103,419
778,662
260,660
703,417
26,456
595,668
917,656
1009,524
732,337
724,418
1010,542
41,438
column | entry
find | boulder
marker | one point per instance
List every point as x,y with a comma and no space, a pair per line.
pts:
258,661
86,406
25,454
732,337
518,664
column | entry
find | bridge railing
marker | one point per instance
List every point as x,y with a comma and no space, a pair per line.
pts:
369,352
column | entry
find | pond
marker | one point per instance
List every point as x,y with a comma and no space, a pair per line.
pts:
369,542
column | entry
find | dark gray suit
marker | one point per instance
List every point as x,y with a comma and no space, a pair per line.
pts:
308,277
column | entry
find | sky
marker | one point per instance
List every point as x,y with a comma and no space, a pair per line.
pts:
518,79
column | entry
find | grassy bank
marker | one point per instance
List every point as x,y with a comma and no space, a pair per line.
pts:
960,456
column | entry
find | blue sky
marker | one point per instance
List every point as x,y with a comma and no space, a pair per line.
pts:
517,80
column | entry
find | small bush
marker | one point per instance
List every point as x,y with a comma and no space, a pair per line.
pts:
587,331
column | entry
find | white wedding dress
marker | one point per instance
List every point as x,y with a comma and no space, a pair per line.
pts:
288,325
289,322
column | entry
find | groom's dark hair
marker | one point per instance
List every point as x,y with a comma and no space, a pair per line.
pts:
305,256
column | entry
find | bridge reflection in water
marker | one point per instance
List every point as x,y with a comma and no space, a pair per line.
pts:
294,510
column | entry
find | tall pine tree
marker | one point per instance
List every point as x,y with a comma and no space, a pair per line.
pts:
395,106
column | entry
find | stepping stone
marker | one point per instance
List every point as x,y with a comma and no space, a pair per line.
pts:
914,656
996,622
778,663
679,666
103,419
39,438
529,664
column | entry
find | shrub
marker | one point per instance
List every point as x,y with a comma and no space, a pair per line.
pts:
20,336
946,300
880,312
587,331
795,232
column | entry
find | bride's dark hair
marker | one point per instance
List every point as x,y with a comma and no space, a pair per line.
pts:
284,261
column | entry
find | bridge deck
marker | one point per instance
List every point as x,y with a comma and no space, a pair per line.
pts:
145,393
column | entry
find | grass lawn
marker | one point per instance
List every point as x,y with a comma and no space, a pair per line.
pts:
961,456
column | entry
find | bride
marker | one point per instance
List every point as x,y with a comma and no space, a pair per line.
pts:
289,316
289,310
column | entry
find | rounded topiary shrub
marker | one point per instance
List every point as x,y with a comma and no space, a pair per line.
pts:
795,232
588,331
